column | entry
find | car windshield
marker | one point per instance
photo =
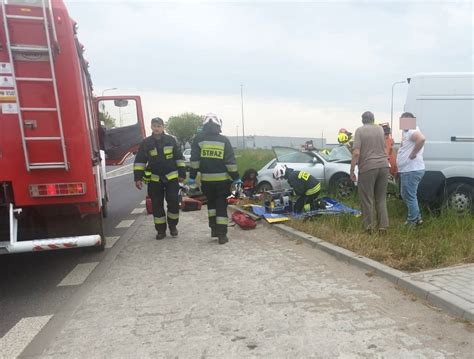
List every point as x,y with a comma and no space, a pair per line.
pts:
337,154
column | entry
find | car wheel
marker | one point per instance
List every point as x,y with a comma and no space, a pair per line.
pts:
263,187
342,186
459,197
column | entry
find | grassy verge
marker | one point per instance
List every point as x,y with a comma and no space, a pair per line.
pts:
444,239
255,159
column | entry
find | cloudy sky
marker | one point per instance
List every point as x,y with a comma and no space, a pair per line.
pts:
307,68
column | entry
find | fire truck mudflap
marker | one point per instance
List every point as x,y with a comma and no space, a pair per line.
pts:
39,245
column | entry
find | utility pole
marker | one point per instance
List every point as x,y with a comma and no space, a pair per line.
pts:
237,140
243,125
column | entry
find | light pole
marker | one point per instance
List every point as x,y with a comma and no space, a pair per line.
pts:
237,140
243,126
109,89
102,104
391,111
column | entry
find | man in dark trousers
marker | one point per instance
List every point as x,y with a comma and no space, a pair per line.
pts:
305,186
213,156
160,155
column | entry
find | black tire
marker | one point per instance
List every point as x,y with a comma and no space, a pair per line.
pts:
94,224
342,186
459,197
263,187
105,202
105,207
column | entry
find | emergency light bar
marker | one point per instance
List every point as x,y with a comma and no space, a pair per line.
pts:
57,189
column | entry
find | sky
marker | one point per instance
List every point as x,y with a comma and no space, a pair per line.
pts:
306,68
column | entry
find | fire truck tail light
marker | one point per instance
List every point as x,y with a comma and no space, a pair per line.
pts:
57,189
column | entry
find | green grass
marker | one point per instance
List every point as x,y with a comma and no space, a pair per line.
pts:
255,159
444,239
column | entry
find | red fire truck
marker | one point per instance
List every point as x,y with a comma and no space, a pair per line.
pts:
55,136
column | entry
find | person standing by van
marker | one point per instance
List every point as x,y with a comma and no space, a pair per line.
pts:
411,166
369,155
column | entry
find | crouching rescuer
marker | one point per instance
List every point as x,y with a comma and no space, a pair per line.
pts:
160,163
305,186
213,156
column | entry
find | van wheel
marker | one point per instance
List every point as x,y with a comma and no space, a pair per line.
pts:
342,186
459,197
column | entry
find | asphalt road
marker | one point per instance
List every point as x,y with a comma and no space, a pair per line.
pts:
37,285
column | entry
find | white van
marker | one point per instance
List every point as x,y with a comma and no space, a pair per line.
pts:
443,104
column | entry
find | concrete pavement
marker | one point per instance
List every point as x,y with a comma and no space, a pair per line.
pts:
450,288
263,294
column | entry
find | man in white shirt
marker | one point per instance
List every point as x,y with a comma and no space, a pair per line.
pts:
411,166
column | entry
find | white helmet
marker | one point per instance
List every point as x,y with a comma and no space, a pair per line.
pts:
212,118
279,171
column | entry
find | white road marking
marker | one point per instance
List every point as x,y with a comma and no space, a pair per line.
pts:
79,274
18,337
110,241
120,175
143,202
138,210
121,168
125,223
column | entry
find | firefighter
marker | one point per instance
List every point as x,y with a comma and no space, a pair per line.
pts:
213,156
344,137
305,186
160,163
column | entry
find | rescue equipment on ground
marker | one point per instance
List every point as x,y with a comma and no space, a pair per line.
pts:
243,220
190,204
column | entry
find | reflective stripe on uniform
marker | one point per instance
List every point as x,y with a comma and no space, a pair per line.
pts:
167,150
212,145
146,176
139,166
313,190
222,220
195,165
212,149
307,207
173,215
160,220
210,177
211,212
155,178
180,163
231,168
172,175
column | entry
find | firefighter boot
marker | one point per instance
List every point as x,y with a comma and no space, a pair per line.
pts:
173,231
160,235
213,233
223,239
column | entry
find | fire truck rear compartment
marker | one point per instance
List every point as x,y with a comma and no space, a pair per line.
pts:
46,221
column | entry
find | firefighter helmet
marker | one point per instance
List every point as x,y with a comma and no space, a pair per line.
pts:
342,138
212,118
279,171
